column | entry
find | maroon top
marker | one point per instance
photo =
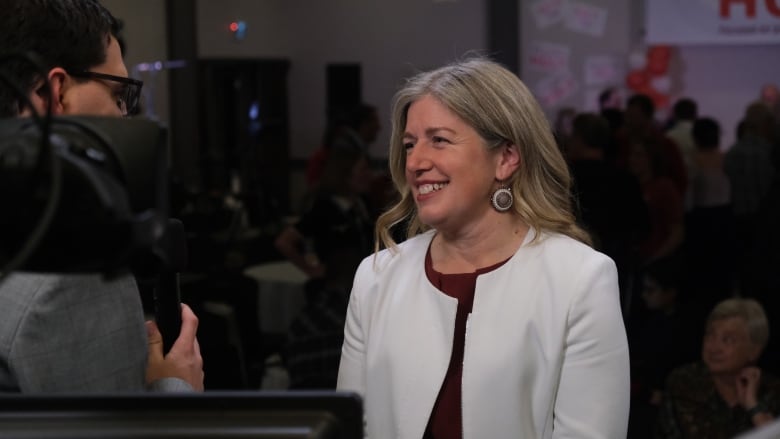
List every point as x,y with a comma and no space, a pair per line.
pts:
446,418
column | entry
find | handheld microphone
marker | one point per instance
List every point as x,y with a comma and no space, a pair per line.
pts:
167,294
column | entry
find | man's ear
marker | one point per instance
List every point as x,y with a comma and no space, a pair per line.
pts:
508,161
43,93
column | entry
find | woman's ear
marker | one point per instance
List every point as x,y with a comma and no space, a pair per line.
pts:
508,161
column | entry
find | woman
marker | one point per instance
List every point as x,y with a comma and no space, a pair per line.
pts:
663,199
725,394
336,219
532,344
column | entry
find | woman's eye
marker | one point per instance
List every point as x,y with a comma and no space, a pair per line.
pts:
438,139
408,145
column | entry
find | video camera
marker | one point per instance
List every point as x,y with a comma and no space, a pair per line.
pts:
92,197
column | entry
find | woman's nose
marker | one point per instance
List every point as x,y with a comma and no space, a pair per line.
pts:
417,158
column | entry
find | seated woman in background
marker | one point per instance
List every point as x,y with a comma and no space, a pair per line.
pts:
336,216
725,394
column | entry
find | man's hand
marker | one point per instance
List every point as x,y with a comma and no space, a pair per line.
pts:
747,387
183,360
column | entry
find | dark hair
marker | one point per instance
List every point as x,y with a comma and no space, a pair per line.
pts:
706,133
605,95
361,114
593,130
685,109
352,116
337,169
72,34
644,103
741,129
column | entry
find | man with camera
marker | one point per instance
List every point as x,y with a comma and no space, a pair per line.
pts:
66,332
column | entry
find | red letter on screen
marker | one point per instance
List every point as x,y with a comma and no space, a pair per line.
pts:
750,6
773,8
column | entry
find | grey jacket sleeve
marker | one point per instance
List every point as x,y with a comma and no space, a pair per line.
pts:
71,333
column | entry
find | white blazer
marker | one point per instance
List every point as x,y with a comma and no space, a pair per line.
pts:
546,354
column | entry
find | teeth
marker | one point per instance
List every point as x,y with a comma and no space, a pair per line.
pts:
428,188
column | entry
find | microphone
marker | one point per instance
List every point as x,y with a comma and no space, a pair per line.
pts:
167,294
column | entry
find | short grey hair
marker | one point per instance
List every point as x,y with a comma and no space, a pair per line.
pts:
748,310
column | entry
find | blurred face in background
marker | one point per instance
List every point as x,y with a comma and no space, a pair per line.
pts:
656,297
369,129
770,95
361,177
727,347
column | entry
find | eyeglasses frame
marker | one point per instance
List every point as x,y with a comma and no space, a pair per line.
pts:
133,88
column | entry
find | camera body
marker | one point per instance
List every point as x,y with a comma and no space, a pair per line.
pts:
106,180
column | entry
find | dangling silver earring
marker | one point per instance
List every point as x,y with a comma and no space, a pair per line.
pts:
502,199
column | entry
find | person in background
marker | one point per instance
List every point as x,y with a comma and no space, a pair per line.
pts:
337,217
611,109
610,98
749,166
563,127
684,113
709,225
725,394
664,338
609,202
78,332
639,123
356,128
495,318
663,200
313,346
770,96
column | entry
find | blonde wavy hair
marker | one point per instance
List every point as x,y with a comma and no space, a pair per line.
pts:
502,110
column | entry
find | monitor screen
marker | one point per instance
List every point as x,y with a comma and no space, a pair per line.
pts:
209,415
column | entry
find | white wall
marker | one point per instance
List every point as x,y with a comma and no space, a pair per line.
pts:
724,80
390,39
614,41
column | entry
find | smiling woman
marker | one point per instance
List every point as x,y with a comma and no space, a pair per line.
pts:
494,318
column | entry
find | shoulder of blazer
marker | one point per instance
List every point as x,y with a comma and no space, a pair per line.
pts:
386,258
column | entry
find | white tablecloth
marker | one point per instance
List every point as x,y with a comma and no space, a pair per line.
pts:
280,294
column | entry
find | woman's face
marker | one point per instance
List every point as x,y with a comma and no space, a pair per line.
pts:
448,168
727,347
639,162
657,297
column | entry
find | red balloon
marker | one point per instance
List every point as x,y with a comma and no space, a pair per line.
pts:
660,100
637,79
662,53
657,66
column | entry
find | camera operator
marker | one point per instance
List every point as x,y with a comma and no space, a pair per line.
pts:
79,332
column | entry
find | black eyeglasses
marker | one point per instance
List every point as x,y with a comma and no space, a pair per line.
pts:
127,98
